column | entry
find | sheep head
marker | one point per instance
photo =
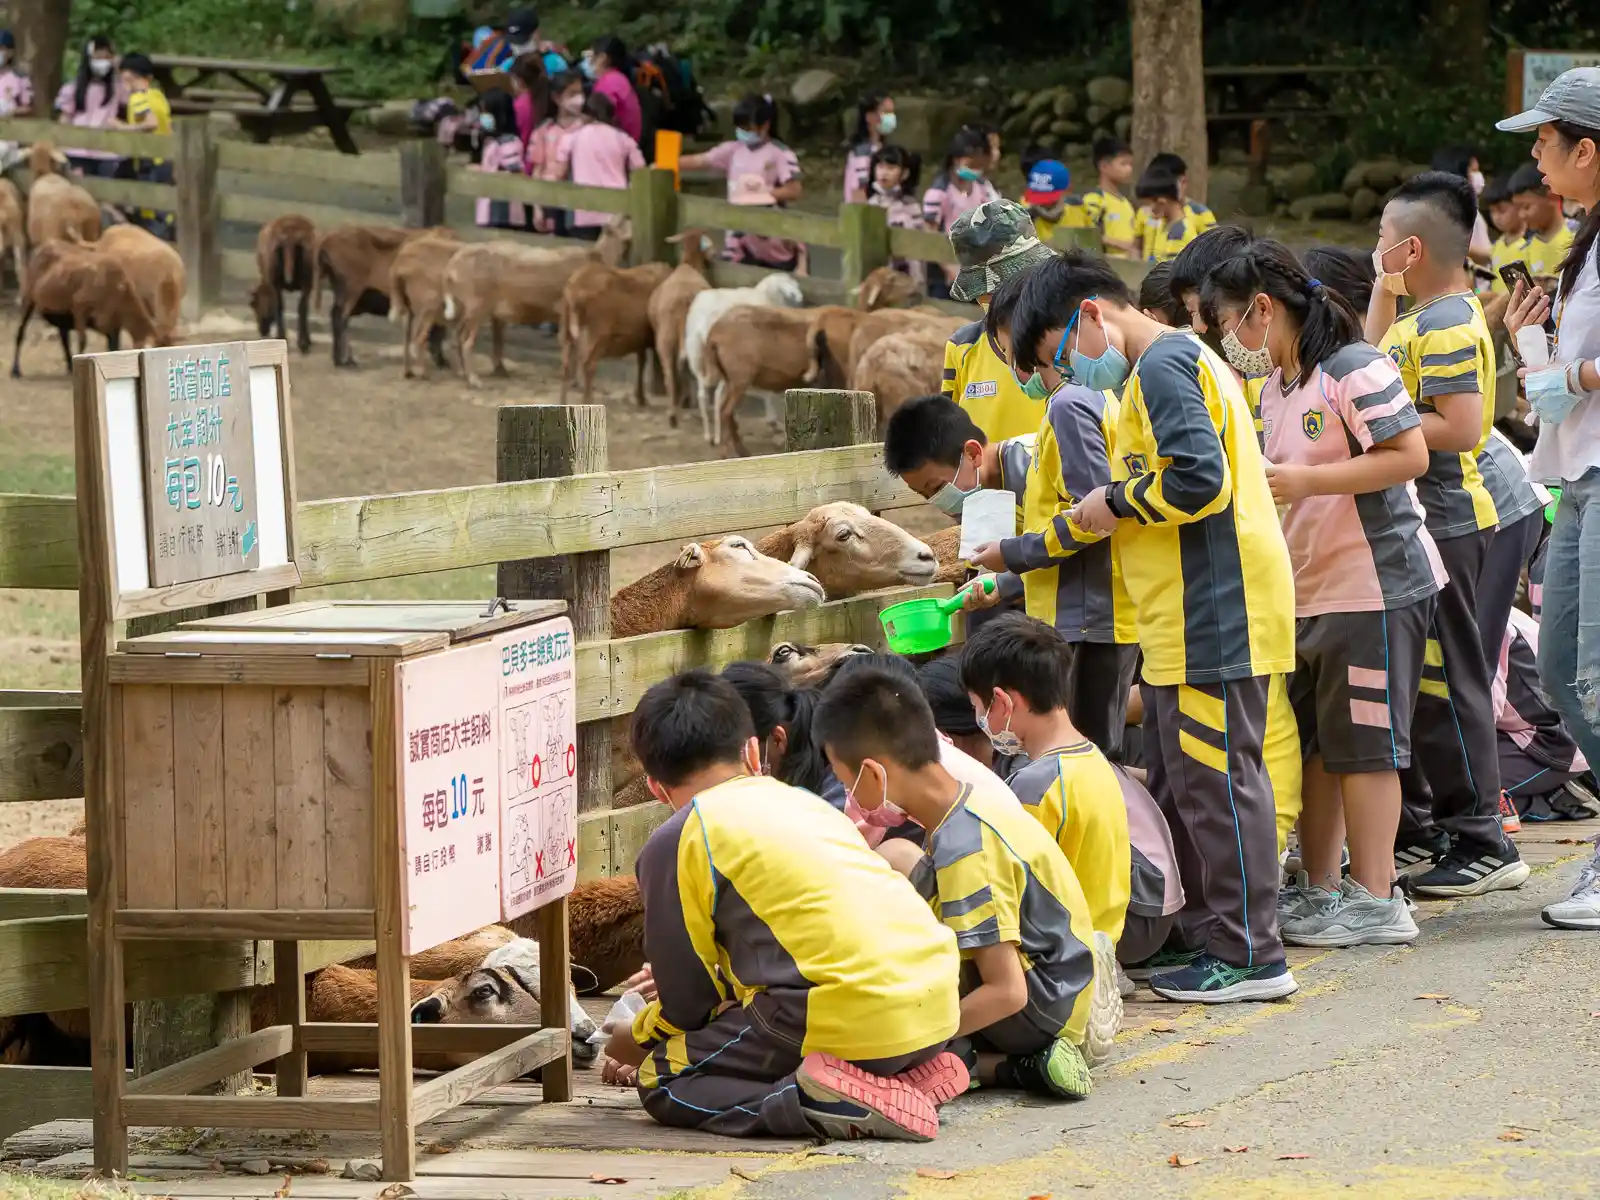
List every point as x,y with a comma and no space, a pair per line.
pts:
612,247
44,159
695,245
849,550
884,287
781,289
812,666
730,582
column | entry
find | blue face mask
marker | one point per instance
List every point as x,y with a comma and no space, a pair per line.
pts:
587,67
1106,372
968,174
749,137
1548,395
486,122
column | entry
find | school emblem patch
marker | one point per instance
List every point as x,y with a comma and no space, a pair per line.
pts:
1397,355
1312,424
1137,464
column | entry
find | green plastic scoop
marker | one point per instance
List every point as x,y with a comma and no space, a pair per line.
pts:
922,626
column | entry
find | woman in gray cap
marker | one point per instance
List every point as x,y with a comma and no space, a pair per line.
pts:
1564,393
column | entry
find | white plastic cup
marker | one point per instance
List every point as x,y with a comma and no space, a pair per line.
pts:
1533,347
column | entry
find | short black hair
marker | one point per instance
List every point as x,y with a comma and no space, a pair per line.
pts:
940,679
900,668
1109,147
1055,290
1018,653
874,713
687,723
1527,178
137,64
1155,294
1451,200
1496,191
928,429
1169,162
754,110
1343,270
1156,184
773,703
1202,256
1457,160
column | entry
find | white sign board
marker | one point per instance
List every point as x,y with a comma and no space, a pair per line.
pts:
1540,68
450,789
538,715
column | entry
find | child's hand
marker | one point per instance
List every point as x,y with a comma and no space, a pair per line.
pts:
617,1075
979,597
1093,513
988,557
644,983
1289,482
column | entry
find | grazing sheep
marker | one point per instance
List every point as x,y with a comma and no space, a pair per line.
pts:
884,287
416,298
156,269
357,260
286,251
707,308
828,345
669,313
57,207
881,324
76,289
605,313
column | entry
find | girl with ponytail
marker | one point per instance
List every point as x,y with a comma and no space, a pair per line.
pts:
1343,443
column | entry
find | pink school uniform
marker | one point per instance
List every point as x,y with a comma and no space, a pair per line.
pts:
753,171
16,92
545,159
600,155
100,107
502,153
904,213
945,199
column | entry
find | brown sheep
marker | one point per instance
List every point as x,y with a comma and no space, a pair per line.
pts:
714,584
753,346
669,312
286,250
606,918
57,207
900,366
416,297
946,547
157,271
504,282
881,324
74,288
812,666
12,232
356,260
849,550
828,345
605,313
885,287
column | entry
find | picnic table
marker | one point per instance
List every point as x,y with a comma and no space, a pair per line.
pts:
1255,95
269,99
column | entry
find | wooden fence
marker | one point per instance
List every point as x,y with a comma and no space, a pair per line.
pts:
222,180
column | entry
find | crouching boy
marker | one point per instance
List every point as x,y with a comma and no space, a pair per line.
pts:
780,1010
1028,974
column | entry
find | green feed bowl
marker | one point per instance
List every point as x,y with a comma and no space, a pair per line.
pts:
923,626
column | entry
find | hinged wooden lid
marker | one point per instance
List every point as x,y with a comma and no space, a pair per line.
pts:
461,620
286,643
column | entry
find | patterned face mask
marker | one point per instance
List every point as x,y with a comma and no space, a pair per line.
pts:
1005,742
1252,364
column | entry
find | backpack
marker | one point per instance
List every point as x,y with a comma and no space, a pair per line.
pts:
669,96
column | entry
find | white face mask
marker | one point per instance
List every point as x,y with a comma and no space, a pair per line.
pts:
1476,179
1252,364
886,123
1393,282
100,67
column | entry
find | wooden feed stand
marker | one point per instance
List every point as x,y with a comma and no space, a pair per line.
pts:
298,773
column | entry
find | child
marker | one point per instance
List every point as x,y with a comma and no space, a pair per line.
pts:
1344,443
1546,775
1107,208
1155,297
892,185
1199,217
940,681
1511,230
547,154
1520,504
1047,200
1342,270
600,155
530,95
1549,237
960,188
16,93
761,171
92,100
1165,231
779,1011
1446,357
499,149
148,112
875,124
1038,993
1214,626
1189,270
940,453
607,65
782,718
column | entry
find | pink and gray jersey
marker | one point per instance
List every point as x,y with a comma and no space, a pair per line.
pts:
755,170
943,202
15,92
1520,711
1505,474
1362,553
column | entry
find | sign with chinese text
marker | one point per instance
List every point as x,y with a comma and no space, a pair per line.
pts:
538,712
200,469
1540,69
450,792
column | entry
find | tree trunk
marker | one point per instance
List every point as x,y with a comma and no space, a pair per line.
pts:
41,29
1459,33
1169,95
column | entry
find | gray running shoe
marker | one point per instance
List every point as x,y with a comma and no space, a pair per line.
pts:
1298,898
1354,917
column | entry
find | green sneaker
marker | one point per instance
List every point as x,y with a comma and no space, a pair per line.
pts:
1059,1070
1161,960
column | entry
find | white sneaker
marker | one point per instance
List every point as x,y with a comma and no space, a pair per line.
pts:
1581,910
1125,986
1105,1003
1355,917
1298,898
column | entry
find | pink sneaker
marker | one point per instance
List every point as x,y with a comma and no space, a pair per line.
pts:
844,1102
941,1079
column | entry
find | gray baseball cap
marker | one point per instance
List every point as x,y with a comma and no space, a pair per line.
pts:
1572,96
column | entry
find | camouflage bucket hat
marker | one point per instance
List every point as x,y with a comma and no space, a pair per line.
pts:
993,242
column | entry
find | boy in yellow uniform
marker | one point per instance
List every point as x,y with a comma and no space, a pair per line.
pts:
1049,204
1206,568
1549,236
149,112
779,1009
1197,216
1107,207
1511,230
1038,1005
993,242
1166,229
1446,357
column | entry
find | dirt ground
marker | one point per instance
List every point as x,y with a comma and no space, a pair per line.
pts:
361,431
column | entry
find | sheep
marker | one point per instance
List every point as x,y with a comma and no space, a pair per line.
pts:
669,311
828,345
777,289
357,261
714,584
503,282
849,550
286,249
57,207
885,287
605,313
12,232
880,324
416,298
812,666
900,366
156,269
76,289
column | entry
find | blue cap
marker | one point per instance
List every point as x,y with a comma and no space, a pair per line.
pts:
1047,182
7,39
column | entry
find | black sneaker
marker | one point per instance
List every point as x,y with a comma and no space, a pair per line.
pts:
1469,873
1418,857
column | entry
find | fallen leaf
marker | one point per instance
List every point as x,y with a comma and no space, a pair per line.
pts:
1178,1160
607,1179
1235,1149
284,1190
1201,1042
1189,1123
1163,1029
1434,996
935,1173
1511,1135
741,1173
1297,1155
439,1148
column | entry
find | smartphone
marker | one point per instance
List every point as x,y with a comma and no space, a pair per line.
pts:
1517,272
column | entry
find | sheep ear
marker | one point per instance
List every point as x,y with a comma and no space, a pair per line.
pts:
677,238
691,557
801,557
870,290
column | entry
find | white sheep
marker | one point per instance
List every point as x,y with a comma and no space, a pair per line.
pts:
779,290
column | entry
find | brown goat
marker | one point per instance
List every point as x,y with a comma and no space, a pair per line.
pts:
715,584
605,313
57,207
882,323
76,289
828,345
416,298
357,260
900,366
669,310
286,251
885,287
755,346
12,231
156,270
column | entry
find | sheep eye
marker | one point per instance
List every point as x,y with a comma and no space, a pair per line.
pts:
846,534
783,653
483,993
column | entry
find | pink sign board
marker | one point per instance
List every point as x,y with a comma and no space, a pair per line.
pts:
538,703
450,789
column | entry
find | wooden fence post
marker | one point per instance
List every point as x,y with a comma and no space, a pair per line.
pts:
198,214
864,237
422,183
824,419
654,209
